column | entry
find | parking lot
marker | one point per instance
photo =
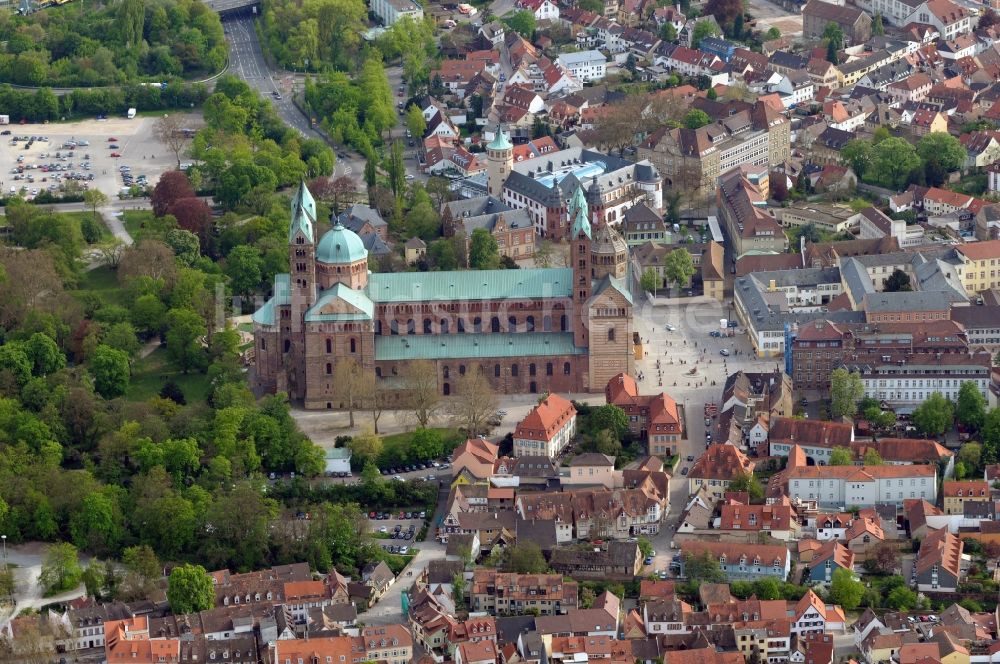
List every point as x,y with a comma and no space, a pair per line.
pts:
397,530
83,152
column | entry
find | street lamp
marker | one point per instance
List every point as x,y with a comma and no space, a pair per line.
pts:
4,538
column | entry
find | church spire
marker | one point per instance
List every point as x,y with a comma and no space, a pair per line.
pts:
303,209
579,214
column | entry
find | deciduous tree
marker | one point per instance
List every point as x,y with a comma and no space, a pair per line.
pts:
422,394
474,403
935,415
898,282
169,130
678,267
111,370
60,568
172,187
190,589
845,590
970,410
846,389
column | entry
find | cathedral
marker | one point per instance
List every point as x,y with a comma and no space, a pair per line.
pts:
528,331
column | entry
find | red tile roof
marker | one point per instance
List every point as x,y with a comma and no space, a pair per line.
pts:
546,419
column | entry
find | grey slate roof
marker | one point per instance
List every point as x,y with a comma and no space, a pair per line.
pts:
856,278
913,301
355,217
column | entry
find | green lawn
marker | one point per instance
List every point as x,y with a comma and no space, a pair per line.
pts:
149,375
102,282
140,223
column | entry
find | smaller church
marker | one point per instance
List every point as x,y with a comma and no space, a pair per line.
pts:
528,331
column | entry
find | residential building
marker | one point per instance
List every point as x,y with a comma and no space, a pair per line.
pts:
839,486
584,65
905,382
547,429
956,494
508,593
693,159
642,224
981,270
742,562
474,462
717,467
390,11
816,438
938,566
742,204
812,615
778,521
613,560
876,225
855,24
389,643
829,218
652,417
951,20
589,469
894,12
831,556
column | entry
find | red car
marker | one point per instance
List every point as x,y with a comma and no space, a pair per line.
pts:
112,140
115,154
371,515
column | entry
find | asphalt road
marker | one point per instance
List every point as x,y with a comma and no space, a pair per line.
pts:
246,60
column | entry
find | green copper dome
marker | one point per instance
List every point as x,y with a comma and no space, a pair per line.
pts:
500,141
340,246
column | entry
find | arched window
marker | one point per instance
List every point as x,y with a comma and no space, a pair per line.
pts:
428,326
548,369
288,345
329,368
445,371
563,323
354,345
444,326
447,389
411,327
512,323
566,368
546,323
496,370
477,325
611,334
531,369
461,326
394,326
329,345
529,324
495,324
513,369
461,370
378,372
378,328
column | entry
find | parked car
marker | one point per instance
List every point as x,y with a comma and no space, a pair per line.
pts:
670,328
684,470
724,352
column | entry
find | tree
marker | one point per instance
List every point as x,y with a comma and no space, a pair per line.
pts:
831,53
833,34
396,168
902,598
526,558
696,118
111,371
423,396
678,267
841,456
149,258
608,417
186,331
142,570
366,446
111,252
702,567
44,355
878,28
772,34
370,173
95,198
934,416
898,282
523,23
873,458
944,148
649,281
846,389
172,187
845,590
416,122
971,454
190,589
474,403
988,18
484,252
244,267
349,378
858,154
749,483
970,408
886,558
668,32
169,130
703,29
193,215
60,568
892,162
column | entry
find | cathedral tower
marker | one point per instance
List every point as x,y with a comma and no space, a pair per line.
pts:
499,162
302,248
580,252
